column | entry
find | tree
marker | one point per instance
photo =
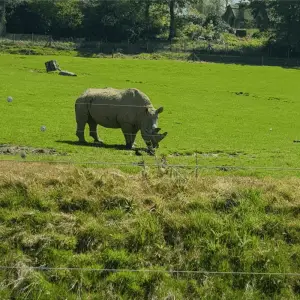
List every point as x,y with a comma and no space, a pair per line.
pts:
173,7
264,6
21,18
287,23
61,18
284,24
213,7
68,17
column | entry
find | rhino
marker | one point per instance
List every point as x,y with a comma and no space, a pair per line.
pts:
128,109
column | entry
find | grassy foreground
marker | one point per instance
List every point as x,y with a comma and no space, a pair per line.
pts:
231,115
62,216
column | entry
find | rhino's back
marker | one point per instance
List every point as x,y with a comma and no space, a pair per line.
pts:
109,106
112,96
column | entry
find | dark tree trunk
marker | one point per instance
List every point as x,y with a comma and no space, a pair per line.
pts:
172,30
2,18
147,18
52,65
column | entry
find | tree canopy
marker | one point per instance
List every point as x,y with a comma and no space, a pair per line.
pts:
103,19
141,19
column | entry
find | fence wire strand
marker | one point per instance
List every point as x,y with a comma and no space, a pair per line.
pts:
115,105
157,164
127,133
41,268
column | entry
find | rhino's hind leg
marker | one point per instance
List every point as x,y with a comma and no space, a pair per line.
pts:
80,132
130,135
81,113
93,131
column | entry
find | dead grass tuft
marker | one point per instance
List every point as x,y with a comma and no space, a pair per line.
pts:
62,215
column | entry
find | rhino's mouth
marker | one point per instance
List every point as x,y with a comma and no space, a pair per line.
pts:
157,137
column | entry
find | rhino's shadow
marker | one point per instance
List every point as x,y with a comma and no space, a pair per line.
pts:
106,146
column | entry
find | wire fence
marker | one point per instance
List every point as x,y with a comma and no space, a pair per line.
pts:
159,164
43,268
200,50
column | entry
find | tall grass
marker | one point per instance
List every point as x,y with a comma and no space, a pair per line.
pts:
63,216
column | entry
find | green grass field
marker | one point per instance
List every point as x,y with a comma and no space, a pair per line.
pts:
71,217
224,112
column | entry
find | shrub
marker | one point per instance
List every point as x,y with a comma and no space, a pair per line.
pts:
193,31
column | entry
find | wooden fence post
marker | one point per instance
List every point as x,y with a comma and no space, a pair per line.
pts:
157,164
196,164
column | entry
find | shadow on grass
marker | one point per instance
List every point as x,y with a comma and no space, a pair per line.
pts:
222,58
105,146
250,57
89,49
255,60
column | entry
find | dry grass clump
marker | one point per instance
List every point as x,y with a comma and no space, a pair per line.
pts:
66,216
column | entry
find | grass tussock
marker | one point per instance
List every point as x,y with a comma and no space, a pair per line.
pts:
64,216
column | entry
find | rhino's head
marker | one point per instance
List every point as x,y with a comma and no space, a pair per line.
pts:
149,128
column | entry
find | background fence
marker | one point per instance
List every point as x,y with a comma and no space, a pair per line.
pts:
202,50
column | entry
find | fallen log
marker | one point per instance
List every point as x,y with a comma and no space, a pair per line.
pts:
66,73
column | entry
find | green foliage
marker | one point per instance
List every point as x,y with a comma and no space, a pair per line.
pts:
69,16
220,26
113,21
285,21
193,31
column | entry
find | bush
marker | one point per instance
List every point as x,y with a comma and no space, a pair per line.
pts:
193,31
219,24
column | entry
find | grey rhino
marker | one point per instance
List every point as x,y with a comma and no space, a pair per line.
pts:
128,109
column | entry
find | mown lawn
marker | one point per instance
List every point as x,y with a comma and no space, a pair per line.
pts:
230,114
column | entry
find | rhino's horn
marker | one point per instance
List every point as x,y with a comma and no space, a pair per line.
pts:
160,137
159,110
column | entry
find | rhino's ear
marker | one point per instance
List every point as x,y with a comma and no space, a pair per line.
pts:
159,110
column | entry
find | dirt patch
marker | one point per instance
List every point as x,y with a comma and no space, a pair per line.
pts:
14,150
274,98
216,153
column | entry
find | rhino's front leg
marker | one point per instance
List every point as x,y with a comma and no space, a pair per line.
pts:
129,132
93,131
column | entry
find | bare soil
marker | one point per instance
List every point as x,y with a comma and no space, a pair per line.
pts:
15,149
